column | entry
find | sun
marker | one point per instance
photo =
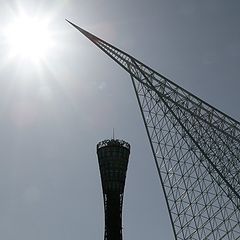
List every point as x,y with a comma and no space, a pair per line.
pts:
29,37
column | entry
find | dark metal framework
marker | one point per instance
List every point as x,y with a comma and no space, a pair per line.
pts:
113,161
196,149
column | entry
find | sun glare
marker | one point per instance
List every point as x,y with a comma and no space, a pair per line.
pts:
29,38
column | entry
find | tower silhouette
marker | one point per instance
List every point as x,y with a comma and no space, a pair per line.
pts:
113,161
196,149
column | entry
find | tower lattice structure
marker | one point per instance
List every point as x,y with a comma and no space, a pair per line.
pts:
196,149
113,161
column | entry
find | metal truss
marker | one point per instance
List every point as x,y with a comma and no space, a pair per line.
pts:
196,149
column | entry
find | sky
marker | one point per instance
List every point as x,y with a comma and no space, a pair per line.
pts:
55,110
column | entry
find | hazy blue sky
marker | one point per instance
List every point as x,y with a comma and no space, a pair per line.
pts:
53,114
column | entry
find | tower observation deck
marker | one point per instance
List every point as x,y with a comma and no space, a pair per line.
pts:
113,161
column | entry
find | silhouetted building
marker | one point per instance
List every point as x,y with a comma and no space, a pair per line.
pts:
113,161
196,149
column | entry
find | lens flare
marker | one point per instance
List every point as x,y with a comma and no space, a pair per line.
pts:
29,37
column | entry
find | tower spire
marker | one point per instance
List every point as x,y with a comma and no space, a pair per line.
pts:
196,148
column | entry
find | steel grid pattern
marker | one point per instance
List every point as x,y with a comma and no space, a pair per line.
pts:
196,150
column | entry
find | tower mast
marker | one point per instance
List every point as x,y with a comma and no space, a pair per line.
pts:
113,161
196,148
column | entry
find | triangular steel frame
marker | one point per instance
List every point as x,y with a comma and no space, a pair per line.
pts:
196,149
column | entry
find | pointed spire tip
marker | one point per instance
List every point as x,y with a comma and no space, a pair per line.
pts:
74,25
84,32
